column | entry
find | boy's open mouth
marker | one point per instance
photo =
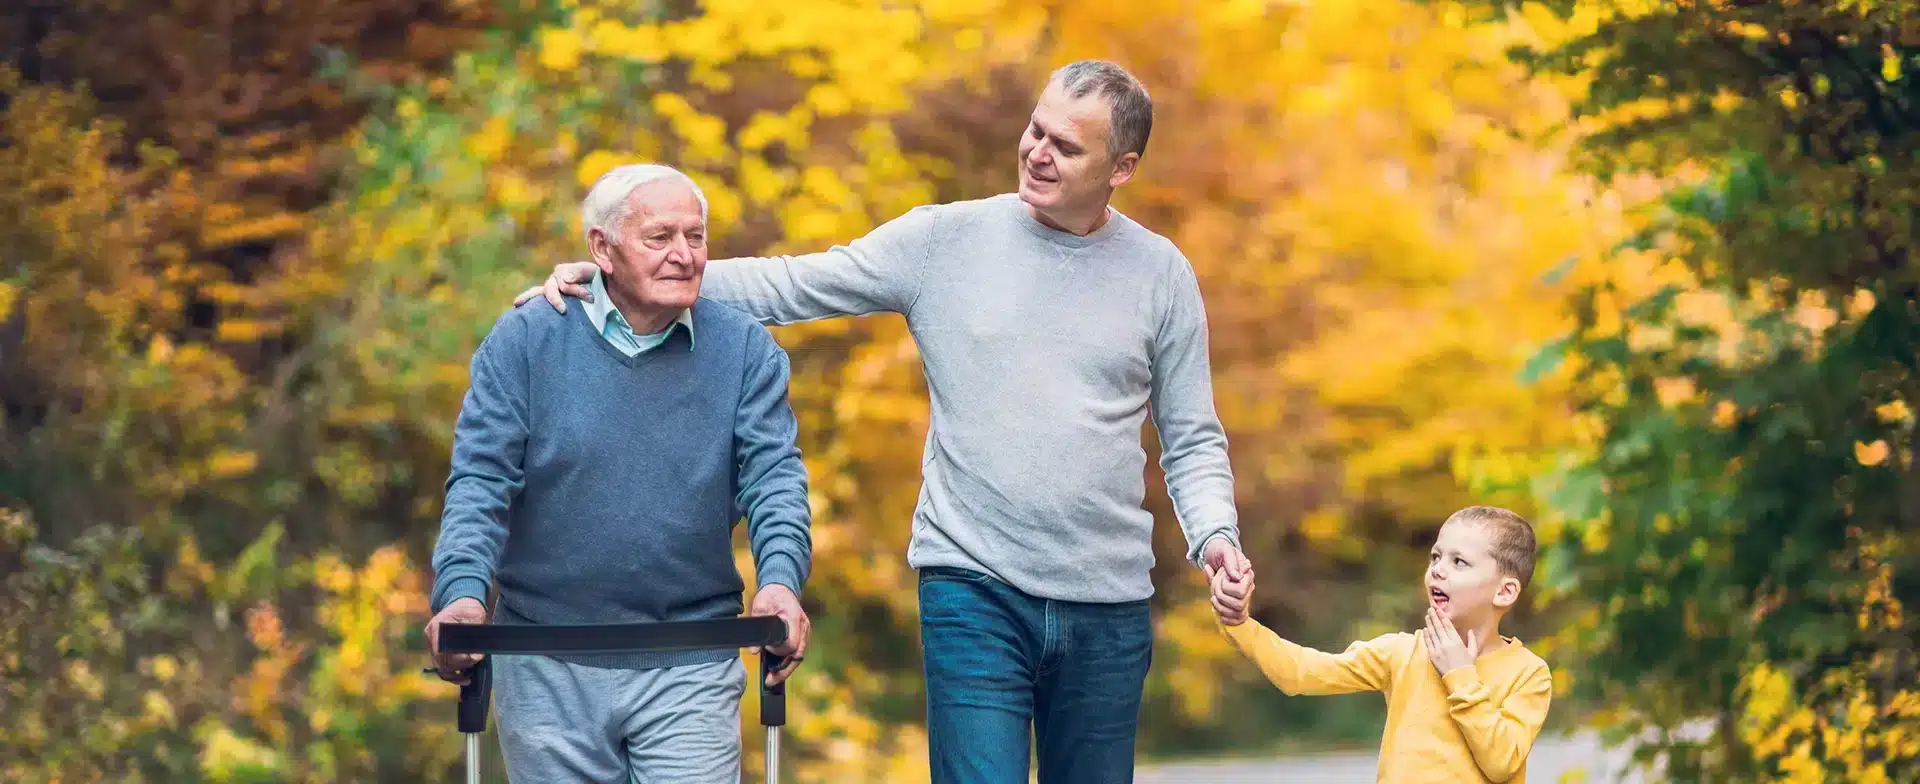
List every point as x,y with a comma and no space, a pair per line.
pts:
1438,597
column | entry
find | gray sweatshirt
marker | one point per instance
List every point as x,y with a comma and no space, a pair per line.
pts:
1043,352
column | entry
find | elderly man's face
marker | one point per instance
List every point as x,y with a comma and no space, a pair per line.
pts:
662,252
1065,162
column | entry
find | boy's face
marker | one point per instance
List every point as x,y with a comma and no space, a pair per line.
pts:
1462,579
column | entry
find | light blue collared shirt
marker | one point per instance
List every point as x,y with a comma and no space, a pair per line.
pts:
613,325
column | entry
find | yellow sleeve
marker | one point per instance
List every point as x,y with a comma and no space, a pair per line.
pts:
1500,733
1366,665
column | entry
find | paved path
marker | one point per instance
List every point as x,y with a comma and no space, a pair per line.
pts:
1552,759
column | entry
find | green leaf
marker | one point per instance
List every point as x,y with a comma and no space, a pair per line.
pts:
1545,361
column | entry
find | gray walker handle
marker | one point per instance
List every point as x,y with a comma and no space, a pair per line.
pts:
493,640
475,695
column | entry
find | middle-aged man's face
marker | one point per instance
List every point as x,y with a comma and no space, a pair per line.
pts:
662,252
1065,163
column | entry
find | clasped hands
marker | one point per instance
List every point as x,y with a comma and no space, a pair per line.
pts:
1230,578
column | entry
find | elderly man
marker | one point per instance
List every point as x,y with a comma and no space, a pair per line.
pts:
1050,324
599,465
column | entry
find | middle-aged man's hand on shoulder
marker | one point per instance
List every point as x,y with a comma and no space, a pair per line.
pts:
779,600
568,279
451,665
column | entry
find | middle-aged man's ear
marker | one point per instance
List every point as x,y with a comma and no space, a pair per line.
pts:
1123,169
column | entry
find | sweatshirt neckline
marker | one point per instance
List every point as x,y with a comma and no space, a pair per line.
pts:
1065,238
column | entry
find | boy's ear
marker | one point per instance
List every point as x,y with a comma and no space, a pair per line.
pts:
1507,594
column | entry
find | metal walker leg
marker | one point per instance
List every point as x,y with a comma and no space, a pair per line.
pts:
773,713
516,639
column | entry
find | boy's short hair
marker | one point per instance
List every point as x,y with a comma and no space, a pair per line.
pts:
1513,542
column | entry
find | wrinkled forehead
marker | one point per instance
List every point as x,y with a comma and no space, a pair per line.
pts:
665,203
1086,120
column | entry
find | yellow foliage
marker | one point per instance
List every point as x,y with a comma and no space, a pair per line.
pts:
226,756
231,463
1869,737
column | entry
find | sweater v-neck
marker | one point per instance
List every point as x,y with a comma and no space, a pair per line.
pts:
600,341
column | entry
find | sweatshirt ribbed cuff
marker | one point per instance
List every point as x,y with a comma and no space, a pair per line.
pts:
780,569
1200,553
1461,680
458,588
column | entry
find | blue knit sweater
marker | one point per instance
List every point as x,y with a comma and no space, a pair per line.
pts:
601,488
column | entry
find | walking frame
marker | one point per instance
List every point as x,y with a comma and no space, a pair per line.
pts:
539,640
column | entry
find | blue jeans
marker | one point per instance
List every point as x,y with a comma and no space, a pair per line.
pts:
1001,664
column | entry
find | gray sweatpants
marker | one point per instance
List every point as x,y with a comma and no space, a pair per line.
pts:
561,722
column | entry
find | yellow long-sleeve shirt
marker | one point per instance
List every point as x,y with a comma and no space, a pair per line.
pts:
1475,724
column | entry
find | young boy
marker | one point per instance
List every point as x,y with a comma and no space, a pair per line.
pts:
1463,702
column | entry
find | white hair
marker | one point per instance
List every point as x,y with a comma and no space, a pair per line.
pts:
607,204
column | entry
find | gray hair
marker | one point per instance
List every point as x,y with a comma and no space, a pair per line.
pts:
607,204
1126,97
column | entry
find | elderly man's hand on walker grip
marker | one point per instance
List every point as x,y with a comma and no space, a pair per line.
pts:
452,666
779,600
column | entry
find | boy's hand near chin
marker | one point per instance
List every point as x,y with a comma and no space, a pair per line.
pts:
1444,645
1230,597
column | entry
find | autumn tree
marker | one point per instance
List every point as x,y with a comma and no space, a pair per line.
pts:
1749,484
180,597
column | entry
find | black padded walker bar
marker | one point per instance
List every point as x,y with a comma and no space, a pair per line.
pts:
534,640
665,636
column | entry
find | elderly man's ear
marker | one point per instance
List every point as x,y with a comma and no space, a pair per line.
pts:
600,250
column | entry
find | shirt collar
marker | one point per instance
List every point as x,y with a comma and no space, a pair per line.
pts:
601,307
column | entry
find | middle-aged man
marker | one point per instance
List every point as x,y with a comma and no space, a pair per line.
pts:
599,465
1049,325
